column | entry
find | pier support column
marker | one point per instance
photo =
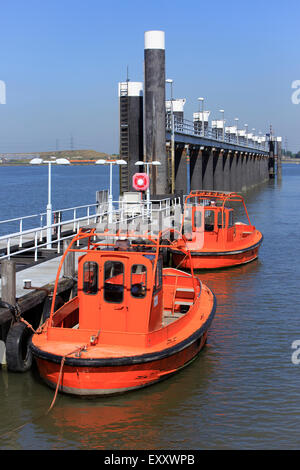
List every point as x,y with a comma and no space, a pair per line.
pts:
218,170
226,171
208,169
248,171
180,170
196,168
155,111
266,168
256,169
238,181
244,171
252,170
233,171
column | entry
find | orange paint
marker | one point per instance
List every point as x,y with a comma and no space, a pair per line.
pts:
132,323
210,235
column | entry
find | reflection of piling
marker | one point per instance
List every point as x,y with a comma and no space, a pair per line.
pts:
154,108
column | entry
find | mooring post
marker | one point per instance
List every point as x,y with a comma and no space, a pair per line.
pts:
8,294
8,281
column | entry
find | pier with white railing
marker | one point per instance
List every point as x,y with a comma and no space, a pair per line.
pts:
198,153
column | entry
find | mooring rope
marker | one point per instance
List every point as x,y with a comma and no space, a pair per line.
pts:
77,350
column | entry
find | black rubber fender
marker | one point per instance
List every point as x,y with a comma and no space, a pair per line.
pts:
47,307
18,352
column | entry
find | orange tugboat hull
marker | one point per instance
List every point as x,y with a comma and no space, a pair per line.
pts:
89,380
104,343
214,260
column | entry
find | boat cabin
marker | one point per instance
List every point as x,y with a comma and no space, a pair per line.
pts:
208,222
118,291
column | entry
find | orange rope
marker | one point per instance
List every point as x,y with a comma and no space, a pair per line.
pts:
81,348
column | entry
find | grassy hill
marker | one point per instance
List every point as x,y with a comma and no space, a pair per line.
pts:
24,158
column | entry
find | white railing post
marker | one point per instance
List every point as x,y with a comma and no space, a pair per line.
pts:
21,230
35,246
8,248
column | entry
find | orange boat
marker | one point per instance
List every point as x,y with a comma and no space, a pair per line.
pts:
131,324
211,236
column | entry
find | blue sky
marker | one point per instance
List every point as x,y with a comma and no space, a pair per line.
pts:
62,61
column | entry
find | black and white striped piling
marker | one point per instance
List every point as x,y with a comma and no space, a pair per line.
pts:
154,108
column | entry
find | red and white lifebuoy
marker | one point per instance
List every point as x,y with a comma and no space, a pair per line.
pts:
140,181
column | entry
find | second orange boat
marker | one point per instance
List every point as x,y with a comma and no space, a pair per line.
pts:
210,234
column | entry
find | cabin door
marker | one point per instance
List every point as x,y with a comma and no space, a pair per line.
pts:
89,294
114,293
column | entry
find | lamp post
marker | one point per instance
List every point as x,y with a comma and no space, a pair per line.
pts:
155,163
170,81
202,100
59,161
237,131
259,140
222,112
110,194
246,125
253,143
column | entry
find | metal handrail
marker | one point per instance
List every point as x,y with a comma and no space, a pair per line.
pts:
120,216
184,126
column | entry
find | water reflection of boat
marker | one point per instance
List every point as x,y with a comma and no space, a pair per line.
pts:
132,323
212,236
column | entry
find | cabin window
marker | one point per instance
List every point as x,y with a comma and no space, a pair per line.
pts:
113,281
138,281
230,219
187,221
209,220
158,275
197,219
220,219
90,277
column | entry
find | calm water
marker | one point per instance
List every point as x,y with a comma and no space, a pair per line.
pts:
243,391
24,190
